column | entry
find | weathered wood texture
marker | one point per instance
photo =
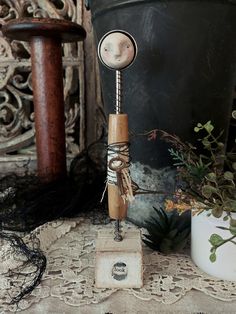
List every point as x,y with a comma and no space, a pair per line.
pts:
48,107
46,37
95,118
119,264
17,134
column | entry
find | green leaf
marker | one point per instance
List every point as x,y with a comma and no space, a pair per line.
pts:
211,177
180,245
213,257
208,190
182,237
155,231
172,233
216,240
230,205
209,127
213,250
196,129
217,212
166,246
228,175
174,220
206,143
220,145
234,165
152,239
226,218
161,216
233,222
151,245
232,230
222,228
199,125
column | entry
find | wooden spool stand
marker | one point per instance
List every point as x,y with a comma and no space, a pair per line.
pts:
45,37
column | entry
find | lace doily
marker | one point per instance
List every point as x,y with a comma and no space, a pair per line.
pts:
70,250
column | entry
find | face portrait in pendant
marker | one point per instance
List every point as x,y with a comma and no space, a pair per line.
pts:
117,50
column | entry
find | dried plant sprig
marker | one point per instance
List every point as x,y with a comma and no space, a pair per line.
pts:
210,177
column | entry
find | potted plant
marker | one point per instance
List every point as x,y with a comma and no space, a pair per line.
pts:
167,232
208,186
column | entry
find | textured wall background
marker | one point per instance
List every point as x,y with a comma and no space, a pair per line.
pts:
17,140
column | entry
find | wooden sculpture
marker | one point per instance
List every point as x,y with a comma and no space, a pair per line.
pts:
117,50
119,262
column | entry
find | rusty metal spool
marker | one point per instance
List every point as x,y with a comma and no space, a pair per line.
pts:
45,37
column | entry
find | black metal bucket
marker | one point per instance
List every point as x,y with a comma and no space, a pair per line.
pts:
184,72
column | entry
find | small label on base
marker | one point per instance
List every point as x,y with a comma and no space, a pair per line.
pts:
119,271
119,264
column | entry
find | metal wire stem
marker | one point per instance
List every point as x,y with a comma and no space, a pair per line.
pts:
118,236
118,92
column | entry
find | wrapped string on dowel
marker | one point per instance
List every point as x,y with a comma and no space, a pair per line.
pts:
118,173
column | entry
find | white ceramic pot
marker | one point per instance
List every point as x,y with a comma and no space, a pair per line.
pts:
202,228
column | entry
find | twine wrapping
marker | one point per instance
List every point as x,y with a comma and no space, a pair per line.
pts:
118,173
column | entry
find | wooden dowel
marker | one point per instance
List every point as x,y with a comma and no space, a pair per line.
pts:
117,132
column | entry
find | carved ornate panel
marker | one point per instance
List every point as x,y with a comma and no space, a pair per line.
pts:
16,101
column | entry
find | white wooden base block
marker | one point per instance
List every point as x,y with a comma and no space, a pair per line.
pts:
119,264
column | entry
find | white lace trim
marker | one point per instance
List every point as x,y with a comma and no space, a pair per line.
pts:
69,247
